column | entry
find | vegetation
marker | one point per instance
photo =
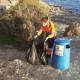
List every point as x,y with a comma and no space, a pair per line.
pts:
22,19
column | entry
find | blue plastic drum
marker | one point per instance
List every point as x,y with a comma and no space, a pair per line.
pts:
61,56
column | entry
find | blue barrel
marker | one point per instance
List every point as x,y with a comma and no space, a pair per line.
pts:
61,56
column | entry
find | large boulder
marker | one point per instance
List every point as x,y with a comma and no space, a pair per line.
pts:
73,30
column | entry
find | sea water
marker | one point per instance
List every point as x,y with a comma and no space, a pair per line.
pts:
73,5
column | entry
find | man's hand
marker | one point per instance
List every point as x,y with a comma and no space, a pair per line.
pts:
46,39
35,36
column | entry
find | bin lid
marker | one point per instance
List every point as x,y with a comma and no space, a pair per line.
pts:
62,41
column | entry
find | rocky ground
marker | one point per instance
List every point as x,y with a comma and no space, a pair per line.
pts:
67,22
13,65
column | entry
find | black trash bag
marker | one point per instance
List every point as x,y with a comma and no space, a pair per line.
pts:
44,55
35,57
32,56
44,58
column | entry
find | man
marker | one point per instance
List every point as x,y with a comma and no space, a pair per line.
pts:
47,32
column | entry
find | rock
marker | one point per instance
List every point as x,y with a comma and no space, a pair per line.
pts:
73,30
20,70
15,70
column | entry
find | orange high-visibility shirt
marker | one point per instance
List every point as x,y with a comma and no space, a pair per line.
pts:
51,29
46,28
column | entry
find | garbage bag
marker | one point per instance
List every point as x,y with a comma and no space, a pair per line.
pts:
32,56
44,58
35,56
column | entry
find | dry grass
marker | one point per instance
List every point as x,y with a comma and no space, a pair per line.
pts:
16,18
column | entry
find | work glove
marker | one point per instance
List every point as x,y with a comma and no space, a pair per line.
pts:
46,39
35,36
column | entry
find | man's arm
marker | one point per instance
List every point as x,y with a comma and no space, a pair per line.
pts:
39,32
53,32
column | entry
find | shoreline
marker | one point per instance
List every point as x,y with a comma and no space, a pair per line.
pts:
63,15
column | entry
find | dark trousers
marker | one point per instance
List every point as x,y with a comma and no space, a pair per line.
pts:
50,42
40,45
41,39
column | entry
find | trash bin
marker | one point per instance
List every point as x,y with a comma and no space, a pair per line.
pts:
60,59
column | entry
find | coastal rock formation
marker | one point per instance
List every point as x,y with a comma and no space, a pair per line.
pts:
73,30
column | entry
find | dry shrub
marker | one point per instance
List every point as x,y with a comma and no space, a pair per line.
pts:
27,30
21,19
6,25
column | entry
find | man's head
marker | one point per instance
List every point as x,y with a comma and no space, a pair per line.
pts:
45,20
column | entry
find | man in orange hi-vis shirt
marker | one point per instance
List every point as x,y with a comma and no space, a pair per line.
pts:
48,30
